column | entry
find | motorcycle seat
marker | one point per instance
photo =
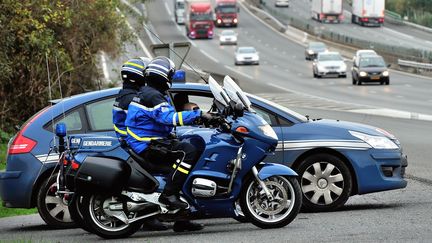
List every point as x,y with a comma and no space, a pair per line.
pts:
149,166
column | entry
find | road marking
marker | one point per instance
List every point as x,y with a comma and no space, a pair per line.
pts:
408,85
208,55
400,96
193,43
372,92
105,68
136,10
167,8
178,27
140,42
237,71
399,33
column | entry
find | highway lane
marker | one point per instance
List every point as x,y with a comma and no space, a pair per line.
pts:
283,65
386,34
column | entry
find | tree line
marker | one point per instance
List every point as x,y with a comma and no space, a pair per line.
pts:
417,11
64,35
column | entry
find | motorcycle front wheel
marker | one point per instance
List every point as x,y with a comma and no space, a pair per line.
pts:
98,216
277,211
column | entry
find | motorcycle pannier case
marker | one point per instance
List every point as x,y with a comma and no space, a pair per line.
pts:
102,175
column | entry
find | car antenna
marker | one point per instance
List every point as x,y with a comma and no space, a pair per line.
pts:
178,55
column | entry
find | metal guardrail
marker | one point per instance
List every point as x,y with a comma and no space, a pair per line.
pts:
417,65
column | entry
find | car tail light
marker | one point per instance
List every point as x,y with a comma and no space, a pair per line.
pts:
22,144
364,19
381,20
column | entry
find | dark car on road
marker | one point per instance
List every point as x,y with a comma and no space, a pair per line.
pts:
313,48
334,159
370,68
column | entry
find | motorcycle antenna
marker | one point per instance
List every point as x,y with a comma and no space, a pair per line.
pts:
175,53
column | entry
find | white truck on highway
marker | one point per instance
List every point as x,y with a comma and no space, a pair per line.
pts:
327,11
179,8
368,12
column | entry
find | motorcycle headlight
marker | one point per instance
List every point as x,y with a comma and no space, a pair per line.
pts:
268,131
377,142
385,73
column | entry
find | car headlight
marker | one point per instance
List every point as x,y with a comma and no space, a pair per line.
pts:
268,131
363,74
343,66
385,73
310,52
377,142
321,68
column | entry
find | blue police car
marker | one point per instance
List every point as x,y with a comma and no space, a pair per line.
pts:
334,159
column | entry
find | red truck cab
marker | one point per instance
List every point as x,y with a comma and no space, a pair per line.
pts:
226,12
199,19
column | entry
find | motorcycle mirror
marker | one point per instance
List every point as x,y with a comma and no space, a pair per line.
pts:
238,110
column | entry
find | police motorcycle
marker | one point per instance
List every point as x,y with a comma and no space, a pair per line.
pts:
117,193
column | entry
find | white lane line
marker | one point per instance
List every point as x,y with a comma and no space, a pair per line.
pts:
398,33
400,96
209,56
135,9
105,68
193,43
179,28
167,8
237,71
140,42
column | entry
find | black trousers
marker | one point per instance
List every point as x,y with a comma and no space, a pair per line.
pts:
173,157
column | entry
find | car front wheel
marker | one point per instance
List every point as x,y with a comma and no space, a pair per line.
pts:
53,209
325,181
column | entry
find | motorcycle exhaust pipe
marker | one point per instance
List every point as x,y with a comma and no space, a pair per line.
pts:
131,206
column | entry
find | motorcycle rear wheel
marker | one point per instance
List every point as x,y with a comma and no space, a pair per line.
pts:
275,213
75,208
106,226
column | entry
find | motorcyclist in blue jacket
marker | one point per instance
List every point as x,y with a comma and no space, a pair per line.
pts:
132,73
151,119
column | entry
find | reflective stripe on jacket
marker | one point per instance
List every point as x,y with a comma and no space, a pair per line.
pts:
120,109
151,116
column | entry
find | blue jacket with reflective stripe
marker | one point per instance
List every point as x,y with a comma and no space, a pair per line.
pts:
151,116
120,109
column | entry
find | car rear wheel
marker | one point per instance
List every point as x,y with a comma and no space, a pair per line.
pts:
325,181
53,209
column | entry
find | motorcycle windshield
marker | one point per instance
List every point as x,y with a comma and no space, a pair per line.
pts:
218,92
235,93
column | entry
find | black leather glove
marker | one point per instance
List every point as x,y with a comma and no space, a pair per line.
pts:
209,119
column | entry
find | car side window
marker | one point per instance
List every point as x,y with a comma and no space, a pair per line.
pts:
99,114
269,117
73,121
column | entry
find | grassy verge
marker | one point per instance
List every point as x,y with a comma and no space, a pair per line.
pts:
6,212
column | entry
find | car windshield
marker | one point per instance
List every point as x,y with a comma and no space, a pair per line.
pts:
372,62
226,9
180,5
330,57
317,45
227,33
201,16
362,53
247,50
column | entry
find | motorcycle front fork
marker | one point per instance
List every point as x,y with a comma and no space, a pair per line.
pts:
261,183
